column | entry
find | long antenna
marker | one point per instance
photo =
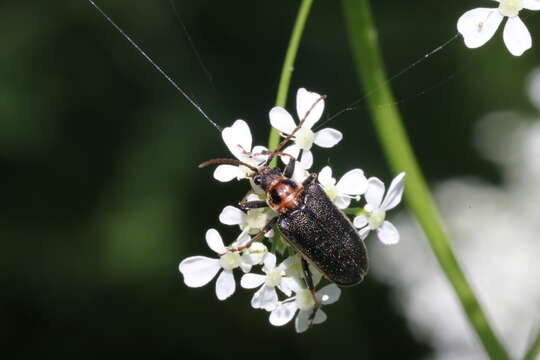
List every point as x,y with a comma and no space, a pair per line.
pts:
156,66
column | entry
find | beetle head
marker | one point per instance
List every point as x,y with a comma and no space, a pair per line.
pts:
264,176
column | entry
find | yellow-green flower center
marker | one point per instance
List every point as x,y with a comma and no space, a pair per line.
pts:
304,138
510,8
273,278
229,261
304,300
331,191
376,218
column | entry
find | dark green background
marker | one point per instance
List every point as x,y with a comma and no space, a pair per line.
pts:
101,197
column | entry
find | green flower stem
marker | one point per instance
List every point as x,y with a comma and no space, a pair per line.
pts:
396,145
288,66
534,350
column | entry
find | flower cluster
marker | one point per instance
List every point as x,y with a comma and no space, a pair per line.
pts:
278,275
479,25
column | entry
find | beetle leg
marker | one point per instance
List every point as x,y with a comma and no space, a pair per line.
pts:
309,180
309,282
257,236
289,169
256,204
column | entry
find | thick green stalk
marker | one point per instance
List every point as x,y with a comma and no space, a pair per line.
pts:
397,149
288,65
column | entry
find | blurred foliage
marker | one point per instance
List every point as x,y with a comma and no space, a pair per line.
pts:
101,196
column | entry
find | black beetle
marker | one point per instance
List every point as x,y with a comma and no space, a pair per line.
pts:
308,220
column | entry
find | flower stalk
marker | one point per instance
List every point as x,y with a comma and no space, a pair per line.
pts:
400,155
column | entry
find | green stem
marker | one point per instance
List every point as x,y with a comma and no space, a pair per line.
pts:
534,350
398,150
288,66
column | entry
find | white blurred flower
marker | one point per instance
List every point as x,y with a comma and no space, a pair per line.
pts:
303,303
350,186
252,221
266,297
479,25
304,138
376,209
200,270
239,141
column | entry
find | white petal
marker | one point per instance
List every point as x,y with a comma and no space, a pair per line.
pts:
478,26
246,267
283,313
342,202
198,270
304,102
231,216
325,177
364,232
329,294
226,173
251,281
237,138
375,192
353,183
531,4
214,241
269,261
394,193
300,174
287,285
265,298
225,285
257,159
307,159
320,317
516,36
292,150
360,221
282,120
327,138
243,238
301,322
388,233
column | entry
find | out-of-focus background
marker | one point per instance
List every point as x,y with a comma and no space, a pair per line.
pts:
101,197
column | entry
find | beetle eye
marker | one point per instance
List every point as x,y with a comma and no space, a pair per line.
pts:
257,180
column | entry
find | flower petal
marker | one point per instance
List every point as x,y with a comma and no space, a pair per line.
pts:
305,101
283,313
329,294
320,317
226,173
360,221
325,177
353,183
237,138
251,281
364,232
198,270
269,261
282,120
342,202
478,26
375,192
287,285
225,285
265,298
231,216
301,323
531,4
394,193
387,233
258,155
516,36
307,159
327,138
214,241
292,150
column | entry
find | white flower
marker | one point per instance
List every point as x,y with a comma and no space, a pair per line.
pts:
252,221
200,270
304,303
479,25
304,137
351,185
377,207
239,141
266,297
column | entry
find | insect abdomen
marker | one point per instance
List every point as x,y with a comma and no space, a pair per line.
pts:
326,238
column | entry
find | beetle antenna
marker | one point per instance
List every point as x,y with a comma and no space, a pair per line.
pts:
227,161
282,144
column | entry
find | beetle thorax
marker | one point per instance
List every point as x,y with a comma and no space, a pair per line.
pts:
283,194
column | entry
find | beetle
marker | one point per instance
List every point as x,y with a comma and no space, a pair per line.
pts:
308,220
